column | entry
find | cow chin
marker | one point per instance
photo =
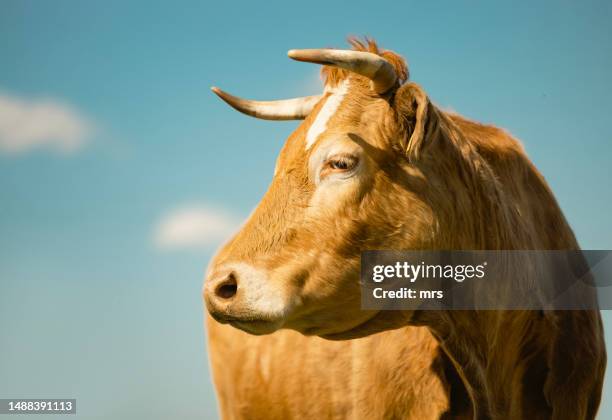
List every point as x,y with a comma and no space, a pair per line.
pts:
380,321
256,327
254,324
360,325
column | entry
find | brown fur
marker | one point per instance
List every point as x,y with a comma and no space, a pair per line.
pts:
289,376
428,180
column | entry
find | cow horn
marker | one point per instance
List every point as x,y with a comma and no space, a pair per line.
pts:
286,109
367,64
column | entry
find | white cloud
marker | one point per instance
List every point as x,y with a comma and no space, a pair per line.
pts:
194,227
26,125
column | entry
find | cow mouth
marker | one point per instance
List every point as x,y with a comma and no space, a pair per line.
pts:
248,324
255,327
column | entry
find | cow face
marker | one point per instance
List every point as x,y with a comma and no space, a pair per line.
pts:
342,184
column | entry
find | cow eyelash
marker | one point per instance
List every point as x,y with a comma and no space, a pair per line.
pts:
341,163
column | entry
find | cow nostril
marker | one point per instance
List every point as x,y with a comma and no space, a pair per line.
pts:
227,289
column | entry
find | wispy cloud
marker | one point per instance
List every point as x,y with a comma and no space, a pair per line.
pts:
194,227
26,125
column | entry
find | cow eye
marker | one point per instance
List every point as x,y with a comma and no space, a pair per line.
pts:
339,164
342,163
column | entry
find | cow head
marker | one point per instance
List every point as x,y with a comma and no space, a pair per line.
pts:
352,177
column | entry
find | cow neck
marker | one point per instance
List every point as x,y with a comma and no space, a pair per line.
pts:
487,356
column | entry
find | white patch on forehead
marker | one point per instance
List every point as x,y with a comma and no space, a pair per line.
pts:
327,111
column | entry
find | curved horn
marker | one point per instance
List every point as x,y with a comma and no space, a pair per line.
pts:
367,64
286,109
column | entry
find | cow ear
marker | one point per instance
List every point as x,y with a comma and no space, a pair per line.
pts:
419,120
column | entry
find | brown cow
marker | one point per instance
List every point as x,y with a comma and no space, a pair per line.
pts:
375,165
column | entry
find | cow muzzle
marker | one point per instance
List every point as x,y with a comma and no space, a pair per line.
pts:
243,296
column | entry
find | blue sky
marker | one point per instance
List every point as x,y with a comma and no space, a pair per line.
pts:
99,276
